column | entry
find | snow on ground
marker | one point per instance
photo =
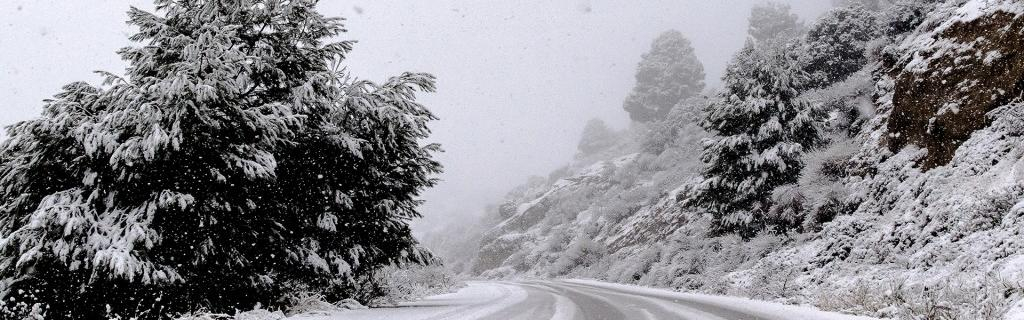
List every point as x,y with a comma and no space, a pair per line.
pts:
577,299
477,300
762,309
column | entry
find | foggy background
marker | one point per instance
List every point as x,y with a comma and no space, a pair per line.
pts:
517,79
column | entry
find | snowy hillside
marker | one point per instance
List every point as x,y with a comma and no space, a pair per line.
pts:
851,159
911,208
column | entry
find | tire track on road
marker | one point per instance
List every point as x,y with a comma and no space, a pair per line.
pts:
715,309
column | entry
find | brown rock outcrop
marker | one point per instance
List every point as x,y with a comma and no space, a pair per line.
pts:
971,68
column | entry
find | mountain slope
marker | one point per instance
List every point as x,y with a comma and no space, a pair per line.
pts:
912,210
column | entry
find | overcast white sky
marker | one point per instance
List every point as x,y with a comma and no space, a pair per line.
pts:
517,79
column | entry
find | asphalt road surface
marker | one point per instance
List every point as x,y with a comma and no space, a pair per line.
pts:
578,300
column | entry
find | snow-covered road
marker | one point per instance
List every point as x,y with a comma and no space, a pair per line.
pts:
577,299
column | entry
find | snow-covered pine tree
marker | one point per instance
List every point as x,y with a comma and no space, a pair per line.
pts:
181,185
762,128
596,137
666,75
834,47
773,20
872,5
350,182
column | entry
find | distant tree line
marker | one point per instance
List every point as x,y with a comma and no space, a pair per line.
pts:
761,123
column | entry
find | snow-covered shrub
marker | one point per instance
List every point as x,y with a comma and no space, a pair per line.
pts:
905,15
821,182
847,104
769,280
201,315
301,302
632,268
395,284
691,260
567,206
761,245
518,261
834,203
257,313
860,297
494,252
827,165
788,207
499,273
559,239
682,121
628,175
508,209
582,253
623,203
975,296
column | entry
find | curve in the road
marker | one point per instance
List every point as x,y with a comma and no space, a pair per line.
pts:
588,306
578,300
668,307
510,298
537,302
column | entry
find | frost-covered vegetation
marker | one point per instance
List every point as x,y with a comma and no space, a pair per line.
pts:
234,164
395,284
870,162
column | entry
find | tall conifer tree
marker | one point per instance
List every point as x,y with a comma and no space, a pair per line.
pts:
667,75
232,163
762,128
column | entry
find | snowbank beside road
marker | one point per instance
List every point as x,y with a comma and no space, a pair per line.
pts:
767,310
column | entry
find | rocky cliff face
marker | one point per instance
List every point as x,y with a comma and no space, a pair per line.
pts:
953,73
